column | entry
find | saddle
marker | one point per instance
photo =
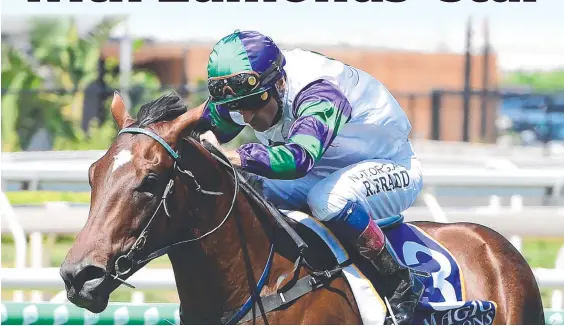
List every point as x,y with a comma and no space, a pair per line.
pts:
444,299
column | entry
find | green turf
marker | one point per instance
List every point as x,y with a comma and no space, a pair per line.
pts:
40,197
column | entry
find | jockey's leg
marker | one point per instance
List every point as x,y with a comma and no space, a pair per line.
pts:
351,199
289,194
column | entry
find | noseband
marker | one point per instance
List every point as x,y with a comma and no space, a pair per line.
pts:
142,239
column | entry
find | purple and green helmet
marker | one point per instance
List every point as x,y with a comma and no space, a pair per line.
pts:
242,64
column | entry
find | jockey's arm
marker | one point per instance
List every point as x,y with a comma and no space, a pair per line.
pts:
321,110
216,118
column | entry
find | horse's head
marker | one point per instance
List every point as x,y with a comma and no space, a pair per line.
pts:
128,215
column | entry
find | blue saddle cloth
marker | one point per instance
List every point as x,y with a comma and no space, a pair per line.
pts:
443,301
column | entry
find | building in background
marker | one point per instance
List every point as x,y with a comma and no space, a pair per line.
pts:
410,76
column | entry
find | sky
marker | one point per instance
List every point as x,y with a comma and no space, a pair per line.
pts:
524,35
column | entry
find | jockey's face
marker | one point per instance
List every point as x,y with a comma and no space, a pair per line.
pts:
261,119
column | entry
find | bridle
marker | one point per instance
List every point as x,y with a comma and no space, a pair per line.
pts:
138,245
142,239
294,289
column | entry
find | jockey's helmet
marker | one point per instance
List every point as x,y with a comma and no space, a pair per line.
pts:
242,64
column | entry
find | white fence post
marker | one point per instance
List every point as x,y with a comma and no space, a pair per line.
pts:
516,205
36,246
557,295
20,241
434,207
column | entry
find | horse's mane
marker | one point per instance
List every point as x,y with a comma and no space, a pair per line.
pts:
165,108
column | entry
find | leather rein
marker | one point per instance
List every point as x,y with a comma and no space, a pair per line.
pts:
290,292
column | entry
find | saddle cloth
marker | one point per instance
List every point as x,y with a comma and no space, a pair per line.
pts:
444,300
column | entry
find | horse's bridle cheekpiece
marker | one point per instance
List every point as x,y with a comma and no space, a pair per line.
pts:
142,239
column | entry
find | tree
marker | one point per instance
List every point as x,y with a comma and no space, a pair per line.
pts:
549,81
46,89
24,110
72,59
144,85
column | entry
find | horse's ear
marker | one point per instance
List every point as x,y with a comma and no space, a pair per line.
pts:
185,123
119,112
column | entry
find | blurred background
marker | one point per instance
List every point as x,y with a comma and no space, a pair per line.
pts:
482,84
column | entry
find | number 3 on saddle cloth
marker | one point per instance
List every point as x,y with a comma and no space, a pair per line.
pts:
443,302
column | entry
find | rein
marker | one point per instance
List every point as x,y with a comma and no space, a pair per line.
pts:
288,293
142,239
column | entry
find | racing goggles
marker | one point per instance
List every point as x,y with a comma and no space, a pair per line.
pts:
243,83
237,84
250,103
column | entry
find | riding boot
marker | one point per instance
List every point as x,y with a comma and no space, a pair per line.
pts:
409,290
355,224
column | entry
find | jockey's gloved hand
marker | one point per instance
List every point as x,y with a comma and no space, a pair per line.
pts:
210,138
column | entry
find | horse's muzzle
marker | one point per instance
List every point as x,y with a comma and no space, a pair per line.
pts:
83,283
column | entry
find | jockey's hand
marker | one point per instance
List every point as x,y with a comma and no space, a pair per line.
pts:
232,155
210,138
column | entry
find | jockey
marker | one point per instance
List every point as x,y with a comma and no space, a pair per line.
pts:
332,139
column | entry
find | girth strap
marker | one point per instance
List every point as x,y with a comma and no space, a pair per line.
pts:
302,287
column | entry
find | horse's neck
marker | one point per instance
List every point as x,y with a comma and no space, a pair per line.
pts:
212,275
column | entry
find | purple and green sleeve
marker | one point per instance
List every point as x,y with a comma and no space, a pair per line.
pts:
217,119
321,110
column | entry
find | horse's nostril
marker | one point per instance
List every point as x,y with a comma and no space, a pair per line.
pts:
89,273
77,275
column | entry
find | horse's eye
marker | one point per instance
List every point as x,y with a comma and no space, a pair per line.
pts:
149,183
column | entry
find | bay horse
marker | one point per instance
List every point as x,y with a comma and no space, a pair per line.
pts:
158,190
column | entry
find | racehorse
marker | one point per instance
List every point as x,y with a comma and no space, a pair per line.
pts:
158,190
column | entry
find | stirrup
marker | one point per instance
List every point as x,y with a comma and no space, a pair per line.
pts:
391,319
